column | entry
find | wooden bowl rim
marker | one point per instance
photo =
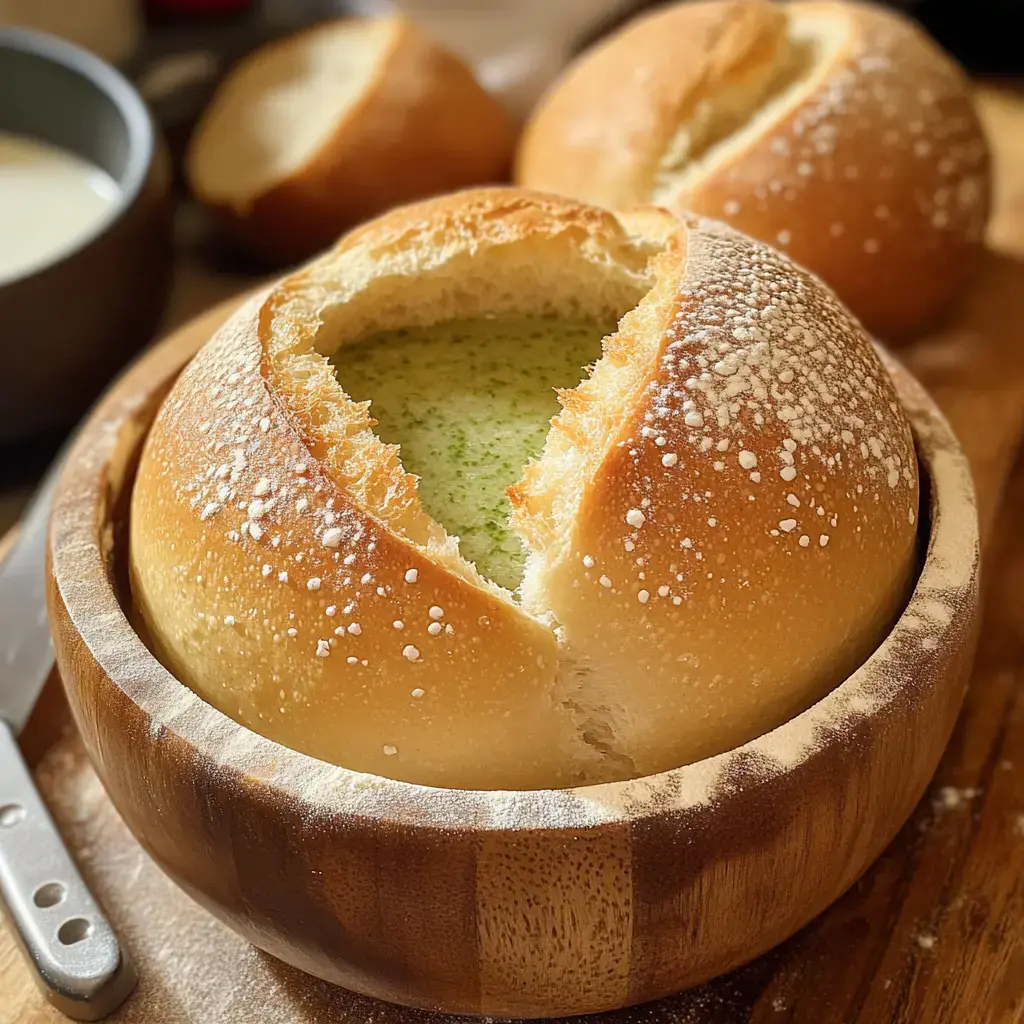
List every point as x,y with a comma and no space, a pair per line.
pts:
935,622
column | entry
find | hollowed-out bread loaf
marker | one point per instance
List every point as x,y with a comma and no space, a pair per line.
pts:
718,526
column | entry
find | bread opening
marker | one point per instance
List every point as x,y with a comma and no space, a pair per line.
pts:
716,127
264,128
382,351
469,403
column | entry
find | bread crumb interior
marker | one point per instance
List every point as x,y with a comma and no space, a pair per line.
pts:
726,121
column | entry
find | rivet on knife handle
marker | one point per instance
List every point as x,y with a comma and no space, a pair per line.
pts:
79,964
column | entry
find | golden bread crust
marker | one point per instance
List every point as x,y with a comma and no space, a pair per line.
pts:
749,532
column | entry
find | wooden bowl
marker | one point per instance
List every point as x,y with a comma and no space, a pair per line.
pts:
505,903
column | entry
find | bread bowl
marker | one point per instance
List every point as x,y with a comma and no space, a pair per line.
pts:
721,527
322,129
529,903
838,132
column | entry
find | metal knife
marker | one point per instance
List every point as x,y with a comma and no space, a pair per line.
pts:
72,949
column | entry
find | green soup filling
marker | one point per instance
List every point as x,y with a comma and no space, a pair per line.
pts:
470,402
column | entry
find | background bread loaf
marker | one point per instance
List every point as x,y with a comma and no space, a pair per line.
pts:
836,132
316,132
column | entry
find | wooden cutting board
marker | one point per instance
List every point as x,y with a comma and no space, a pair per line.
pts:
934,932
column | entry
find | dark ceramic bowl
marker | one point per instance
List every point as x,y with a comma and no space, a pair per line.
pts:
67,327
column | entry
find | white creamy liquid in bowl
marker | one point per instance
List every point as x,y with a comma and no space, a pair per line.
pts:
50,200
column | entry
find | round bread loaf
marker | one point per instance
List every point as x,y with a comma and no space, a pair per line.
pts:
719,527
837,132
313,133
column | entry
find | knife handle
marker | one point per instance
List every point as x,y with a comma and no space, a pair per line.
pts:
77,960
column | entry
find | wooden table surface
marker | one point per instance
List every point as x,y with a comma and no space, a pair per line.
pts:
933,933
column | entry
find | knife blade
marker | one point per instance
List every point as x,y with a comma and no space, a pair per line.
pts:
75,956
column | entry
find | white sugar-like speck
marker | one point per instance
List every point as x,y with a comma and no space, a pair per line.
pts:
588,561
669,459
635,518
604,581
283,576
663,590
292,631
793,500
323,648
786,525
210,509
434,628
410,652
352,659
313,583
265,424
229,620
262,487
788,473
748,460
694,419
331,537
823,539
331,610
398,624
348,559
389,749
301,504
436,612
643,597
256,531
412,575
417,692
354,628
